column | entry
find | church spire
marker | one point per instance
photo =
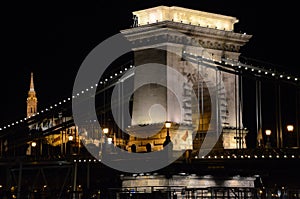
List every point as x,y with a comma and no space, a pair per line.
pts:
31,99
31,82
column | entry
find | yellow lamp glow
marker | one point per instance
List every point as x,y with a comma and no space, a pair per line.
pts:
168,125
33,144
105,130
268,132
71,137
290,128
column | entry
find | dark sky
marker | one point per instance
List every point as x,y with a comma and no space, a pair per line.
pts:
53,40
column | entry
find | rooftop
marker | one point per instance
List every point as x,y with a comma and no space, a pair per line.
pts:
184,15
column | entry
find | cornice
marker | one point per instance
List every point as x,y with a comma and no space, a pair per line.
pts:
186,34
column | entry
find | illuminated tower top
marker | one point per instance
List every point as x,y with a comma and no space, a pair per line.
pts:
184,15
31,99
31,83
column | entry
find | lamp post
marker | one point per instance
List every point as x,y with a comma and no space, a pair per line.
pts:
268,133
168,141
290,130
105,130
168,138
106,139
33,149
69,148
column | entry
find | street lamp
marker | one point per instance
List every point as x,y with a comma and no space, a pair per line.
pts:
107,141
33,152
33,144
290,140
105,130
69,145
268,133
168,139
290,128
168,125
71,138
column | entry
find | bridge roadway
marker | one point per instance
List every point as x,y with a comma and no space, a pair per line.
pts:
272,167
275,167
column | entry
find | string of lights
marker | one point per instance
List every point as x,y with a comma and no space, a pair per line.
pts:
232,156
237,65
103,81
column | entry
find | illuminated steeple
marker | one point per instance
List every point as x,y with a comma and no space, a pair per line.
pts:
31,99
31,83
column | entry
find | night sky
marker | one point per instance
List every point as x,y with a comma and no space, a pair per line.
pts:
52,41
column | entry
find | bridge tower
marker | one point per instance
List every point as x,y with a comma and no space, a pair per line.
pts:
172,36
195,44
31,99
